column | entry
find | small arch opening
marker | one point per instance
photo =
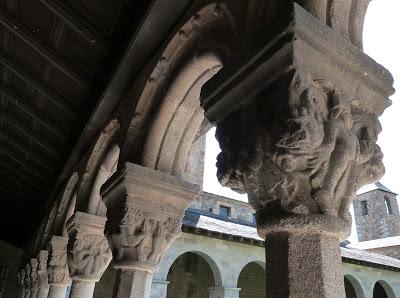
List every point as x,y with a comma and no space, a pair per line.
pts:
352,287
252,281
190,276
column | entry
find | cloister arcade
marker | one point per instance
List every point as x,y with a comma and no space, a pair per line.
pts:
295,101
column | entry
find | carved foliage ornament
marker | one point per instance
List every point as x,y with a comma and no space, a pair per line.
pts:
42,269
89,257
144,239
307,156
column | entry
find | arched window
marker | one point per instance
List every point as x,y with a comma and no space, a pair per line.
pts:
252,281
388,205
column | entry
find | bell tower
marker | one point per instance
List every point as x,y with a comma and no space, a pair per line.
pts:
376,213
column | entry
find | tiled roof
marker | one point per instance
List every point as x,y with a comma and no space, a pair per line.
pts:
374,186
217,224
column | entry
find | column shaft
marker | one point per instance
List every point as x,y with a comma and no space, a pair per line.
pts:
57,291
303,265
82,289
159,288
133,284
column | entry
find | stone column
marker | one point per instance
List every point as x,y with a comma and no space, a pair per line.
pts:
43,286
31,278
159,288
57,268
21,282
88,252
221,292
297,124
145,210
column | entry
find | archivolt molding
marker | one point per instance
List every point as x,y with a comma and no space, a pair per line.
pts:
58,216
85,201
356,285
179,117
211,31
344,16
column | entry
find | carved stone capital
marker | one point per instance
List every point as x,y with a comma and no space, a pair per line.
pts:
88,251
21,282
57,268
42,269
297,126
145,210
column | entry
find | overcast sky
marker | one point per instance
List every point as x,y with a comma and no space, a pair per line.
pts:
382,43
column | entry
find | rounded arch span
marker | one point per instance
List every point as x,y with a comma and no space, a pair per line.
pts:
252,280
166,97
60,211
166,265
383,285
87,199
179,117
355,284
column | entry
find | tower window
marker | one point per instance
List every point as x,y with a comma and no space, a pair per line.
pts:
225,211
254,218
364,208
388,205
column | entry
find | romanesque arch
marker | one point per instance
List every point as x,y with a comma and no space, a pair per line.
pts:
383,290
97,168
353,287
191,275
251,281
168,99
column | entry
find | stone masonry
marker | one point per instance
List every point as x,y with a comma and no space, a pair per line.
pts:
376,214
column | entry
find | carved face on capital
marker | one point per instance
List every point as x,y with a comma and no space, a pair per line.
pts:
367,127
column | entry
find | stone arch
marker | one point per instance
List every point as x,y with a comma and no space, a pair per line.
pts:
381,288
167,105
252,280
61,211
101,155
199,266
179,117
352,284
166,264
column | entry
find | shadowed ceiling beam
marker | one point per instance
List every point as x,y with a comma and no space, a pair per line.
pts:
13,144
17,199
11,156
22,129
37,84
45,51
24,104
77,23
29,180
13,182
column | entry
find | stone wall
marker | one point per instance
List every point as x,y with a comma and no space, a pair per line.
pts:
373,221
10,255
211,203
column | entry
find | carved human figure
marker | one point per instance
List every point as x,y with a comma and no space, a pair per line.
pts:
89,257
57,269
21,282
43,279
307,157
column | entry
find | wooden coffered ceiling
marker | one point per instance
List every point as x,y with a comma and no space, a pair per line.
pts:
56,57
